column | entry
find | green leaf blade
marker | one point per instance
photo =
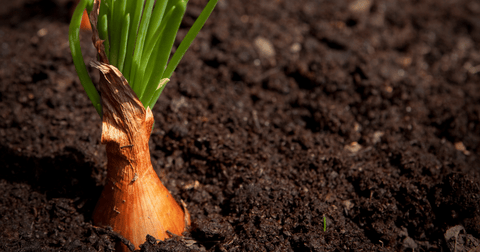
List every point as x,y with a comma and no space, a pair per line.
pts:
76,51
123,42
166,44
183,47
187,41
103,33
139,44
135,9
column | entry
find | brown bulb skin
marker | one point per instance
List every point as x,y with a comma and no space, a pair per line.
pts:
134,201
135,209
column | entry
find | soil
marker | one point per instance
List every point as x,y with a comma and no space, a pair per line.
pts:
288,126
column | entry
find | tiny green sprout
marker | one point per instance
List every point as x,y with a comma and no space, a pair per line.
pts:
138,37
324,224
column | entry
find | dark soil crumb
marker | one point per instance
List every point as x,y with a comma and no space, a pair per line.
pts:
283,115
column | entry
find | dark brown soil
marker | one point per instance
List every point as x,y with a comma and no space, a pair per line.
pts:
283,114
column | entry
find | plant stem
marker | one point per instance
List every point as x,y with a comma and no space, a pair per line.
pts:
103,33
168,38
187,41
157,16
123,42
116,27
74,42
149,62
142,32
138,38
135,10
183,47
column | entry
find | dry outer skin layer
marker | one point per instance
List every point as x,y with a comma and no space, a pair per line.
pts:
260,146
134,202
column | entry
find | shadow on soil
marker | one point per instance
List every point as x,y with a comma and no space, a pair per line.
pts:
49,176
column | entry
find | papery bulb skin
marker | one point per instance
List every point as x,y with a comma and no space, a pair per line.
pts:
135,209
134,201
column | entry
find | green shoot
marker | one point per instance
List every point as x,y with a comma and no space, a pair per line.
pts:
168,38
139,43
123,42
184,45
135,8
74,42
103,32
324,224
138,37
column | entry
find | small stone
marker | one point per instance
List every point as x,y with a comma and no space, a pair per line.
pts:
295,47
377,136
460,147
360,5
353,147
42,32
348,204
264,47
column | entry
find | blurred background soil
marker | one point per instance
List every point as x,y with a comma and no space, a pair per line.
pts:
283,114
